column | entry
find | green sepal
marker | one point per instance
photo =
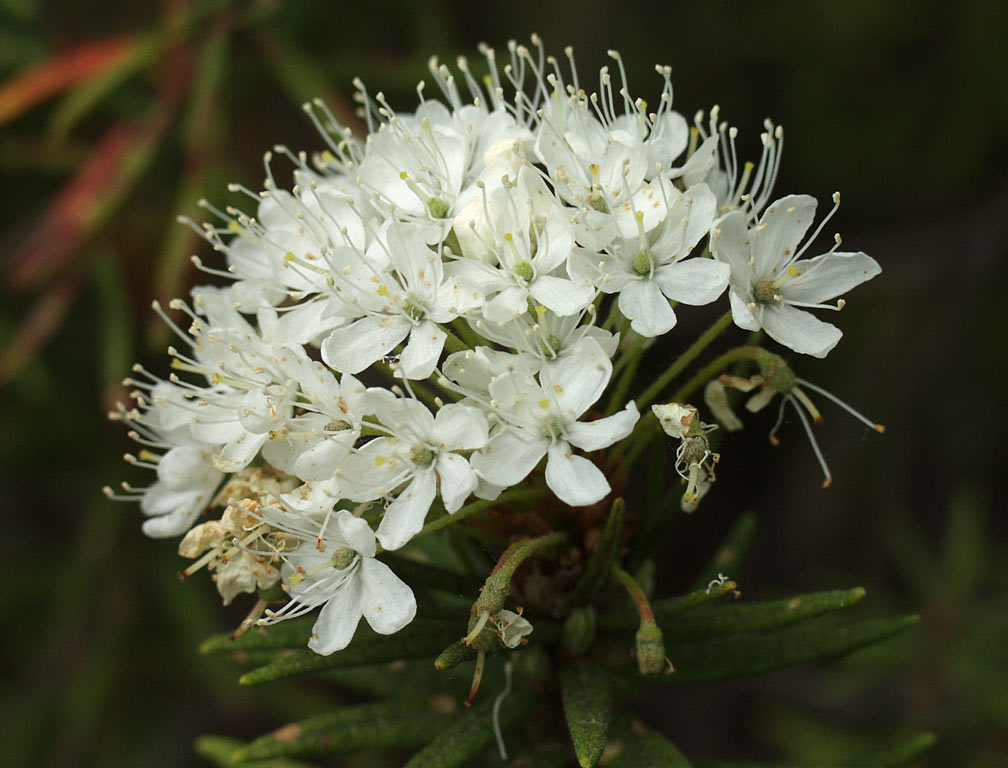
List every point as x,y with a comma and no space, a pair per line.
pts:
742,655
717,620
634,746
588,703
419,639
464,739
382,725
596,572
627,617
220,751
731,555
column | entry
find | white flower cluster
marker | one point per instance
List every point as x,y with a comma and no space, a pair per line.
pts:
462,250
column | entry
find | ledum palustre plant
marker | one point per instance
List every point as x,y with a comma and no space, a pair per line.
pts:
412,393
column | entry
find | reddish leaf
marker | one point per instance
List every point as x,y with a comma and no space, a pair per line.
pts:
43,320
75,208
60,72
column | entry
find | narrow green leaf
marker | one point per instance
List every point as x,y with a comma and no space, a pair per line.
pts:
461,741
543,756
893,756
645,750
732,554
596,572
386,724
723,658
421,638
588,703
219,750
716,620
424,574
627,617
291,634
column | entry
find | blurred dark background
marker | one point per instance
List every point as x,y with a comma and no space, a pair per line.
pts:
115,116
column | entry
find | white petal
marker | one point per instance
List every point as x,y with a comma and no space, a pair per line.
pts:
405,516
740,313
801,331
574,479
694,281
387,601
781,229
578,378
460,427
601,433
458,480
353,348
338,618
423,350
820,279
507,458
506,305
356,533
237,454
564,297
647,308
730,243
171,513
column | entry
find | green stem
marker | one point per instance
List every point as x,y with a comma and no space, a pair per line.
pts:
467,334
708,371
636,594
629,362
613,315
478,506
453,343
649,423
650,643
684,359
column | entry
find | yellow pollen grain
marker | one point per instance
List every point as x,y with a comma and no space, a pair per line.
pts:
544,403
379,460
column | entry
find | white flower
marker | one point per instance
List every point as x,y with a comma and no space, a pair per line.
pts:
645,263
409,299
335,567
541,418
770,288
421,453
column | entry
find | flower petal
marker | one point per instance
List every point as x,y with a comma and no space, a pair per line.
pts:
387,601
816,280
781,229
405,516
354,347
458,480
801,331
507,458
460,427
649,311
601,433
564,297
422,351
578,378
574,479
338,618
694,281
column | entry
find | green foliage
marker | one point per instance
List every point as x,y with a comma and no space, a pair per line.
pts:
588,704
395,723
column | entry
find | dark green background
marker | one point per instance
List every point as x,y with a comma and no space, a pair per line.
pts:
903,106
